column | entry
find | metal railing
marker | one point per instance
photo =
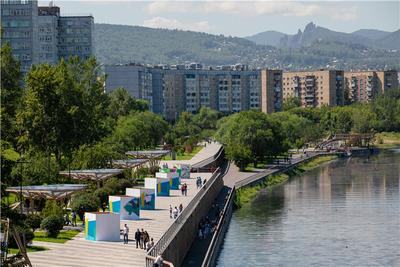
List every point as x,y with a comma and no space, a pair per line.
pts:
258,176
213,247
164,241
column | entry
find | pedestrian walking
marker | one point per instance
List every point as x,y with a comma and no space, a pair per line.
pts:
137,238
67,221
141,238
180,208
150,244
170,211
186,189
176,212
126,234
183,189
73,218
146,239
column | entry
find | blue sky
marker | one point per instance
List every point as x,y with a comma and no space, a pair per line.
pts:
241,18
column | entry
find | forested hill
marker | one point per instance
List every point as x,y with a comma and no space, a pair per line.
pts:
124,44
120,44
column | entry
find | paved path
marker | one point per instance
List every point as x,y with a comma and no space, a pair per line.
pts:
208,151
80,252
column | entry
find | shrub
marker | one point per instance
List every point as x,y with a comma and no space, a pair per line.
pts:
117,186
21,229
52,207
33,221
85,202
52,224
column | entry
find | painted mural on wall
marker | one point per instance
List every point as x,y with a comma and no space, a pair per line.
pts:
148,201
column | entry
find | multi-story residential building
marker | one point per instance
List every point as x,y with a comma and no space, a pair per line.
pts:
271,91
42,35
314,88
75,36
19,28
364,86
188,88
136,79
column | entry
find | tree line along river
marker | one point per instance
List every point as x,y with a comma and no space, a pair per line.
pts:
344,213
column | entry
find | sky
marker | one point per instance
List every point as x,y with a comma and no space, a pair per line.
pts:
240,18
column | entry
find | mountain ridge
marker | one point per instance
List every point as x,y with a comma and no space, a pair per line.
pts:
121,44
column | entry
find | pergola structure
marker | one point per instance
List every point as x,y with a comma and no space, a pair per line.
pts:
53,191
128,163
153,156
97,175
148,154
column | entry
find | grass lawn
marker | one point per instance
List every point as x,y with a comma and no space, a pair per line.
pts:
387,140
63,237
185,156
29,249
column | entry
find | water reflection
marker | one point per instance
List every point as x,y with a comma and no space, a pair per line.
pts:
345,213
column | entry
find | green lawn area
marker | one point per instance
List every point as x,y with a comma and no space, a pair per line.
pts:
185,156
387,140
63,237
29,249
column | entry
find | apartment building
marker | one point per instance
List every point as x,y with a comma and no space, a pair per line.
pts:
180,88
271,91
363,86
314,88
41,35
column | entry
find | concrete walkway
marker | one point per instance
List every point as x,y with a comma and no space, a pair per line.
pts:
80,252
206,152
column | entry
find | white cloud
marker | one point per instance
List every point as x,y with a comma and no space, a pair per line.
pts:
344,14
247,8
165,23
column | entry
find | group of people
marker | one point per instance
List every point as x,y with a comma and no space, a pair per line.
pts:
184,189
206,227
174,212
72,222
142,238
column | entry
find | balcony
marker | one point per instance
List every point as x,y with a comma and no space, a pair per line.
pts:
308,96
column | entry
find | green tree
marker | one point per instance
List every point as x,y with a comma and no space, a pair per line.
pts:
64,106
11,93
251,136
121,103
139,130
337,120
364,120
387,110
291,103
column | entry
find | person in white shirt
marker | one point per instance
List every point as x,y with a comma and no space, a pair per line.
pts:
158,262
126,234
176,212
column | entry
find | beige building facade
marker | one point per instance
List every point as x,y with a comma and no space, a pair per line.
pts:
364,86
314,88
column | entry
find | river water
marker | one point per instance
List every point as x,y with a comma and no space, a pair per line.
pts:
343,213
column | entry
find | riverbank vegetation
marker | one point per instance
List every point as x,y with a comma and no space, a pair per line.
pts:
387,139
246,194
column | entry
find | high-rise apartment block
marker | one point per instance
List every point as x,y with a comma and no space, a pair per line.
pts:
363,86
314,88
271,91
228,89
178,88
42,35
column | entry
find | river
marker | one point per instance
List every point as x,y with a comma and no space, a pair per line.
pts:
343,213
